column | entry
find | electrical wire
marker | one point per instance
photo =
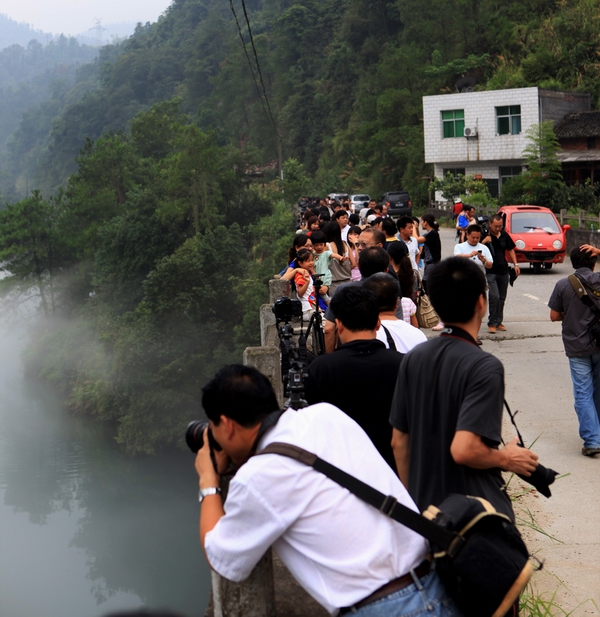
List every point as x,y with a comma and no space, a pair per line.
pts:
258,68
248,58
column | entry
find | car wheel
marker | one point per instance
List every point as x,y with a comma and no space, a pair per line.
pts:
548,265
537,268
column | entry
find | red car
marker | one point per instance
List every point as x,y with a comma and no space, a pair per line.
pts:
537,234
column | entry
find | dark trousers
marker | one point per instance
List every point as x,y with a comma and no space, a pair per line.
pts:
498,286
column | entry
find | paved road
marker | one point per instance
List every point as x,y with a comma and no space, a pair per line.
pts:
539,386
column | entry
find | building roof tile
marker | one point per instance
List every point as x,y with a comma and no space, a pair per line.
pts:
583,124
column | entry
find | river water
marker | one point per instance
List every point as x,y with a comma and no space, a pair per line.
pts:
84,529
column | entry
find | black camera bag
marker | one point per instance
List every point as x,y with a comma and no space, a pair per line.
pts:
479,553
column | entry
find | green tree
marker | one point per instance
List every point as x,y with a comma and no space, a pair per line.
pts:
29,248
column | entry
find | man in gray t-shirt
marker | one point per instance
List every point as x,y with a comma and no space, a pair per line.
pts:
581,348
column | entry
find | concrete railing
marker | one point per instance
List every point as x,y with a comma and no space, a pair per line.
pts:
255,597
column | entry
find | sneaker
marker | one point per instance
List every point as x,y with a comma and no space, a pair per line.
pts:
590,451
501,328
492,329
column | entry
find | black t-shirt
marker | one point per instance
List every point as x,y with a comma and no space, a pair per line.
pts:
359,378
498,247
445,385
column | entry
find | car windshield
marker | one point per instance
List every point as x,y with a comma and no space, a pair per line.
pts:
361,198
530,222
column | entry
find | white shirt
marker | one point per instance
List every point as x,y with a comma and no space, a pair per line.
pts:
404,335
413,251
339,548
345,231
464,248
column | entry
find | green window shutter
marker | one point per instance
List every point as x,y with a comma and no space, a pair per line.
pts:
460,128
448,129
503,126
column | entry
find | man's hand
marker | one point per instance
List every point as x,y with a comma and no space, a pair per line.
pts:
519,460
592,250
517,270
469,449
209,476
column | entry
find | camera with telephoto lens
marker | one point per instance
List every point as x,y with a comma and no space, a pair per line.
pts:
194,436
541,478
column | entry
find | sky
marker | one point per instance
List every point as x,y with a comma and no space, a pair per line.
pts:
77,16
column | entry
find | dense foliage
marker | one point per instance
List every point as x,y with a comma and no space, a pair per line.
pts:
340,81
150,268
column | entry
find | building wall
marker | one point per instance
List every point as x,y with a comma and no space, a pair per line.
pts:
574,143
480,113
555,105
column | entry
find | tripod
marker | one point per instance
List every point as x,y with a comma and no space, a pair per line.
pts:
315,324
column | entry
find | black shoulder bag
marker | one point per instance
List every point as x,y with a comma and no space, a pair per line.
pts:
479,553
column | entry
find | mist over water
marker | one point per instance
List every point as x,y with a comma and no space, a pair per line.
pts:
85,529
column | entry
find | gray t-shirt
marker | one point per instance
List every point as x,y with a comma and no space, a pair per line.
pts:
578,317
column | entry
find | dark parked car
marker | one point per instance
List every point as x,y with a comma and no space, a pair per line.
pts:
398,202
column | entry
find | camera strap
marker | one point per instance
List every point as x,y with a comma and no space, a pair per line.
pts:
390,340
269,422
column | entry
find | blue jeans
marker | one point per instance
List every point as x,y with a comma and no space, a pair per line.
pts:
426,597
585,374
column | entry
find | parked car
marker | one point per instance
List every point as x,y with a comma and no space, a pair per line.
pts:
338,196
398,202
539,238
357,201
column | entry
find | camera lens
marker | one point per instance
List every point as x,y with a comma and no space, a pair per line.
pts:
194,435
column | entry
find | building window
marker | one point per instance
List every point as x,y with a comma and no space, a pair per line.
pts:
454,171
509,120
492,184
506,173
453,123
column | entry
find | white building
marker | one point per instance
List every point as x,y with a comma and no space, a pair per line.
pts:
483,133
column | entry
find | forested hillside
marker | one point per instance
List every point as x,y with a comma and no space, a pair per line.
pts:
15,33
36,83
159,220
340,80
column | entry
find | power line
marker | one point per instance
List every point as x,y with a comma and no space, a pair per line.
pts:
258,68
248,57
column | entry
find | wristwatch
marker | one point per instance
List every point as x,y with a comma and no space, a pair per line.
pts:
205,492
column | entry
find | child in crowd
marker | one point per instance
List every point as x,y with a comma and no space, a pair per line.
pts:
300,241
304,282
323,257
352,244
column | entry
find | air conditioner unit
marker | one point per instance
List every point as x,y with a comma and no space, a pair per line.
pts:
471,132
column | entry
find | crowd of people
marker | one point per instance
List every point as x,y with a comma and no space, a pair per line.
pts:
336,236
413,418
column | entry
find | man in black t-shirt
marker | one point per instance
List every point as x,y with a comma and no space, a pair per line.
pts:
360,375
447,410
499,243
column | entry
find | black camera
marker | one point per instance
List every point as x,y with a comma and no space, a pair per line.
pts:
194,436
286,309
